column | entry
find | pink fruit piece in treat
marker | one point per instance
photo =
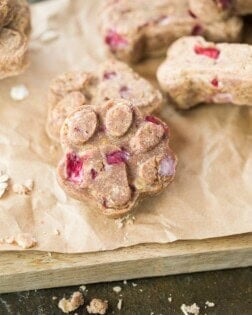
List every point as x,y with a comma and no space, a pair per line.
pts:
197,30
166,167
215,82
124,91
115,40
156,121
74,166
94,173
210,52
108,75
117,157
224,4
192,14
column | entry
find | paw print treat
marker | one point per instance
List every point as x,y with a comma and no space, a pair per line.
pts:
14,35
112,80
197,71
114,156
132,29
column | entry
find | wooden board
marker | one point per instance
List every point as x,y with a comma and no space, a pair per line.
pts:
35,270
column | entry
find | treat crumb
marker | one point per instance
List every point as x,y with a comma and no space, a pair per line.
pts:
125,282
71,304
169,299
56,232
119,304
83,288
190,309
97,306
48,36
25,240
54,298
128,220
3,183
134,284
23,189
210,304
117,289
19,92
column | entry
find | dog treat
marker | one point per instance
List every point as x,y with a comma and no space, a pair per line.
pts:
197,71
113,80
134,29
114,156
14,35
214,10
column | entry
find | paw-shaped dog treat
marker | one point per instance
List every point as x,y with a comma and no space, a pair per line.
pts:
214,10
112,80
132,29
14,35
114,156
197,71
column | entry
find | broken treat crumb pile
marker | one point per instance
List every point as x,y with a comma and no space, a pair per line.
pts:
112,80
196,71
115,157
132,30
14,36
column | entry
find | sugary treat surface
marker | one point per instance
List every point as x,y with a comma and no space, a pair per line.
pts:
14,35
114,156
132,29
197,71
213,10
113,80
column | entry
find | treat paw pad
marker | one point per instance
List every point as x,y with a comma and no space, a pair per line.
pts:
114,156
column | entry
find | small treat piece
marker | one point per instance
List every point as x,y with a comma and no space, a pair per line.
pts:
190,309
71,304
132,29
112,80
97,306
116,157
19,92
4,178
23,189
14,36
216,10
197,71
25,240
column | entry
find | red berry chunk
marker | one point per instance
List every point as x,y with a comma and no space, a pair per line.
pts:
74,166
124,92
117,157
156,121
109,75
93,173
225,4
115,40
167,167
210,52
197,30
215,82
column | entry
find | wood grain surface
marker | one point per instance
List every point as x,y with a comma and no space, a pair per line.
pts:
35,270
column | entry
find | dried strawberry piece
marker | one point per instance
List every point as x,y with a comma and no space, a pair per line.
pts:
117,157
210,52
156,121
124,92
115,40
74,166
224,4
215,82
94,173
192,14
197,30
109,75
167,167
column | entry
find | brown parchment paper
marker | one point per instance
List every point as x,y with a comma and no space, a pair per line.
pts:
210,197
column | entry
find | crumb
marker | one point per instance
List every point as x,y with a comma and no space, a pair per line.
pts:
134,284
23,189
10,240
125,282
140,290
169,299
97,306
71,304
56,232
49,254
25,240
48,36
3,183
83,288
190,309
210,304
117,289
119,223
54,298
128,219
19,92
119,304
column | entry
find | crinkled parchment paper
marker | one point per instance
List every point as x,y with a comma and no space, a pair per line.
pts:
210,197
